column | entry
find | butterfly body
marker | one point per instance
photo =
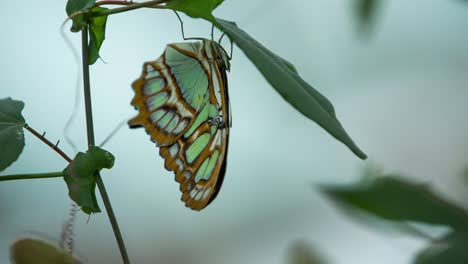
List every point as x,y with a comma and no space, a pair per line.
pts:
183,105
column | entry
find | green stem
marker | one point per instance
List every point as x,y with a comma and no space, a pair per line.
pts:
90,133
117,10
31,176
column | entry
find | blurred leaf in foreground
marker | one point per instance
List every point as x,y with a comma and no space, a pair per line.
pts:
396,199
36,251
303,253
284,78
451,250
366,12
80,176
11,131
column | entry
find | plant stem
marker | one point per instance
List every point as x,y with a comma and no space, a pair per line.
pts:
48,143
114,2
90,133
153,3
31,176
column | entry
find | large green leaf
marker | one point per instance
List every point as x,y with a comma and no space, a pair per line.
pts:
80,176
35,251
97,31
393,198
284,78
11,131
196,8
78,5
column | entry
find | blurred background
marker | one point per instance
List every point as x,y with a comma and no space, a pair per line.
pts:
398,84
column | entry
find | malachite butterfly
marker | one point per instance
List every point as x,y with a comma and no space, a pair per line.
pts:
183,104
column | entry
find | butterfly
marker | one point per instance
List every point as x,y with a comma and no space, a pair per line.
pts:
183,104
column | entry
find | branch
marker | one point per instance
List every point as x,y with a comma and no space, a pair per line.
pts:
31,176
128,6
90,133
48,143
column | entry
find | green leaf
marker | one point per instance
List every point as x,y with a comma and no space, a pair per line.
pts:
80,176
35,251
11,131
196,8
284,78
78,5
393,198
448,250
97,31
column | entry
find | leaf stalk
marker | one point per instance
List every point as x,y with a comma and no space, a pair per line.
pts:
129,6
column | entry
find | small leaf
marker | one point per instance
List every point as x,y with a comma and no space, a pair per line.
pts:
393,198
196,8
78,5
35,251
284,78
80,176
11,131
451,249
97,31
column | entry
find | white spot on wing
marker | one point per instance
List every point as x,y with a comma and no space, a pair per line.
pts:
174,149
180,164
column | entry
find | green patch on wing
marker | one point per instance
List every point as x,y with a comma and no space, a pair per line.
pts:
197,147
196,8
284,78
11,131
80,176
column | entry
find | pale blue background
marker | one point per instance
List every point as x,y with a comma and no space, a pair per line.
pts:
401,94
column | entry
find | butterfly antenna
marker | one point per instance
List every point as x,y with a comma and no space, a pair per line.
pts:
114,131
76,104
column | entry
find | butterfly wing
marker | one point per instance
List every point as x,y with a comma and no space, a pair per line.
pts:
170,92
196,153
